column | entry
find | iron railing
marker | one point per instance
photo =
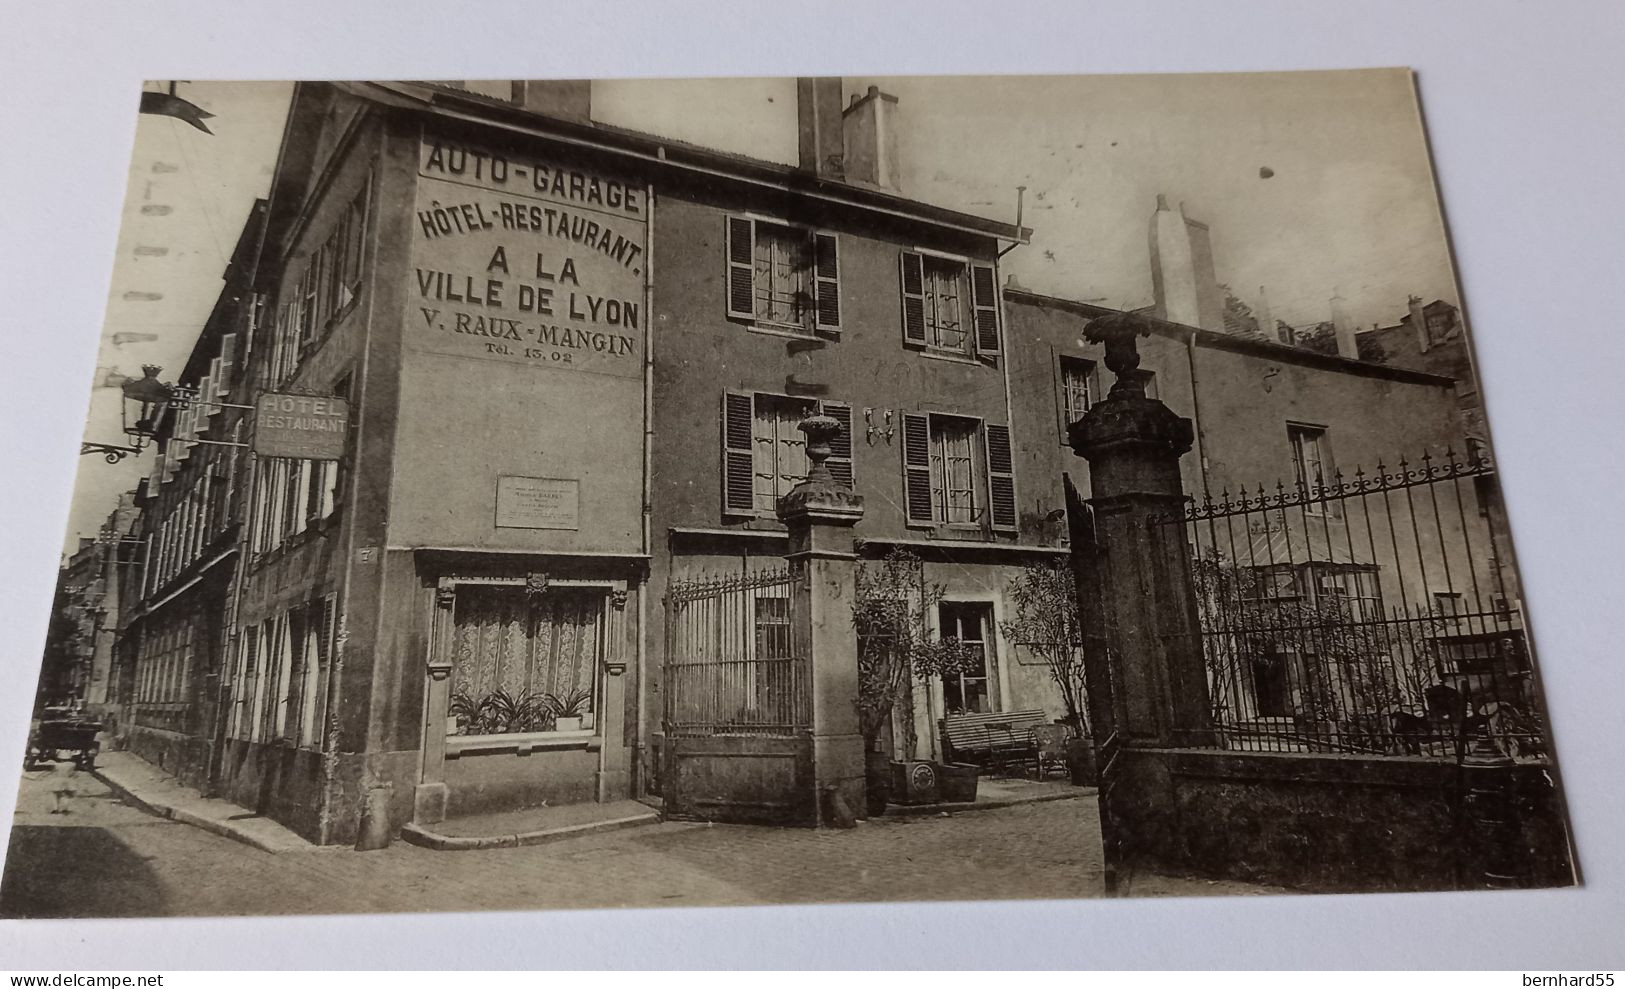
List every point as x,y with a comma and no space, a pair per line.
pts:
1374,614
736,658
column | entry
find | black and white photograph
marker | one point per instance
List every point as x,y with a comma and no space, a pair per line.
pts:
561,494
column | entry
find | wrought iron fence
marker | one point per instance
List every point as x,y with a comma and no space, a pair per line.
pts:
736,660
1372,613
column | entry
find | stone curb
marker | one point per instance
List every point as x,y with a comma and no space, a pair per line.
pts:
181,816
916,810
417,834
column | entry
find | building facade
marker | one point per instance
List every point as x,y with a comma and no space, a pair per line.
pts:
573,359
179,564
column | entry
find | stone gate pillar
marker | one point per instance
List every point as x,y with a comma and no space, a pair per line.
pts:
1142,572
820,513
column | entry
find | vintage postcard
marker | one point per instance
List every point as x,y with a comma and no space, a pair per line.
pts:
529,494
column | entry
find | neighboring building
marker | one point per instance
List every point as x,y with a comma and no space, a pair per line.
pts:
575,357
175,627
79,666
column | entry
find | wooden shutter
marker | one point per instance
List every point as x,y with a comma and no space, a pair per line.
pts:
984,293
1001,477
840,457
738,459
827,281
917,468
741,266
912,267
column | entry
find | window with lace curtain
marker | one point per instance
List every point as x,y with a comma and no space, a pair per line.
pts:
524,662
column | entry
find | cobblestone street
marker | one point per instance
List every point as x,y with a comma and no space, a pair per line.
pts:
109,859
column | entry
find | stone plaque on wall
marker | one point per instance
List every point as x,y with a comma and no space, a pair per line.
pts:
538,503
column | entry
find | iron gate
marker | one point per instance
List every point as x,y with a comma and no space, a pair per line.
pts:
1369,613
737,712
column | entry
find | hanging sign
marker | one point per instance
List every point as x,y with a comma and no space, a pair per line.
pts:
301,427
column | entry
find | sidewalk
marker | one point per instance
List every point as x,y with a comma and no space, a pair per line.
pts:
535,826
155,791
993,792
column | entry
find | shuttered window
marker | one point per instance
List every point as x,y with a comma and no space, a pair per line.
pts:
827,281
840,457
985,305
917,468
764,451
738,470
783,277
947,481
1001,478
912,273
949,305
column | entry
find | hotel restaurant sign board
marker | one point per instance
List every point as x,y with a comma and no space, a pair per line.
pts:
302,427
524,260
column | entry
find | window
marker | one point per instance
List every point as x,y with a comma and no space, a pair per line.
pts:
780,449
1354,590
523,663
764,453
950,306
967,692
957,471
1311,463
1077,378
946,327
953,474
783,277
1447,604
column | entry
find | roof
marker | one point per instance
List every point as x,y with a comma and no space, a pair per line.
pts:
1255,346
668,154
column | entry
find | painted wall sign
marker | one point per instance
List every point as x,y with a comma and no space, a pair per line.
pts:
538,503
519,259
304,427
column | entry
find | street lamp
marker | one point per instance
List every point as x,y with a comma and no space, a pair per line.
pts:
146,399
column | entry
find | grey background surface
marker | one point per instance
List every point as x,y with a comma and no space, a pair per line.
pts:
1523,109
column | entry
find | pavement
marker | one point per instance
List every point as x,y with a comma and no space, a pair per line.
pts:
109,858
144,785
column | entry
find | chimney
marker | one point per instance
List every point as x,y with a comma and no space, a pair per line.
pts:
1346,345
1266,322
818,123
1183,282
570,99
1419,323
869,126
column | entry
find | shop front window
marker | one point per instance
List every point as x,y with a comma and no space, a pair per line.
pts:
524,663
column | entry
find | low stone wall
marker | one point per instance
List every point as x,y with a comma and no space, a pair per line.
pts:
1326,822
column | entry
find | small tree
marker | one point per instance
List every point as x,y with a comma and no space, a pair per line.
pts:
895,645
1045,599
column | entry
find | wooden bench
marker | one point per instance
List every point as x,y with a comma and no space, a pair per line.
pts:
995,738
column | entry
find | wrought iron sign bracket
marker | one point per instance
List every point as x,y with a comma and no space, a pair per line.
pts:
113,454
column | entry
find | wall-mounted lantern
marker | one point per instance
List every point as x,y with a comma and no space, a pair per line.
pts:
146,399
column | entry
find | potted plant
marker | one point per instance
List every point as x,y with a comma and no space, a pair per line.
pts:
568,713
888,615
1045,620
895,649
